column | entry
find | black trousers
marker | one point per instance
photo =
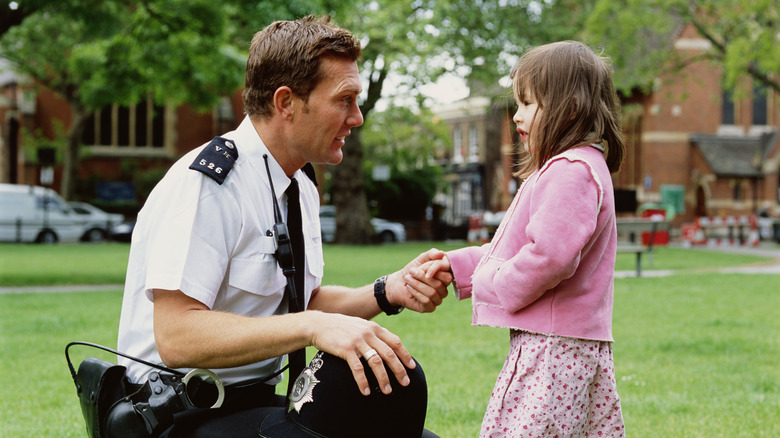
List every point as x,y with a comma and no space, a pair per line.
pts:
215,423
218,423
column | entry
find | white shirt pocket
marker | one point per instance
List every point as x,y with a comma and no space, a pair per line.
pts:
259,273
315,260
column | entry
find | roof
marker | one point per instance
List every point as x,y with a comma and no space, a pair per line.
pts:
733,156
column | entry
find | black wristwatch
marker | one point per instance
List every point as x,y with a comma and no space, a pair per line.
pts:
381,297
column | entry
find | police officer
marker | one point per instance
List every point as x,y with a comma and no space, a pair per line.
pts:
204,289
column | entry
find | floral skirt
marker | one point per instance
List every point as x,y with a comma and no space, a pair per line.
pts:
553,386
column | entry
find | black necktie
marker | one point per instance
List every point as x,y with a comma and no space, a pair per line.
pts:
297,358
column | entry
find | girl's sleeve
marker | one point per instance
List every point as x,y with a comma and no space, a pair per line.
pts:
564,208
463,261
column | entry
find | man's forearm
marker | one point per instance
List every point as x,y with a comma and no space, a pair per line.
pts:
358,302
189,335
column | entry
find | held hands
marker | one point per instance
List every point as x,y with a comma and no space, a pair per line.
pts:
422,284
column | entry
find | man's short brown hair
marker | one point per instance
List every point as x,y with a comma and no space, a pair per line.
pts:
288,53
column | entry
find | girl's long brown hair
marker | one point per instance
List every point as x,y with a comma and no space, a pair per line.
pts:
574,89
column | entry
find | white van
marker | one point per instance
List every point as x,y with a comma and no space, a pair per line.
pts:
37,214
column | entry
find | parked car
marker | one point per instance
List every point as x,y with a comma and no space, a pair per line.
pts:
97,222
122,232
37,214
384,231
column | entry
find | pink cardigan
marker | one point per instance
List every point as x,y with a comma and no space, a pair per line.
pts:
550,266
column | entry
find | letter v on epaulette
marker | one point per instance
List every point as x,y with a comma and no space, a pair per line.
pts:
216,159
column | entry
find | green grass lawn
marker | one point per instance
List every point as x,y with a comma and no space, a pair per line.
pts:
36,265
696,353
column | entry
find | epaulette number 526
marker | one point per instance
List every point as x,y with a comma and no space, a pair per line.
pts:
211,166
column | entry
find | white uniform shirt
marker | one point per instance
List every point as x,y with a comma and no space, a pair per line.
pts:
212,242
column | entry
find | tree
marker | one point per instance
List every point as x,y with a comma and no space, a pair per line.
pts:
743,37
404,143
418,41
95,53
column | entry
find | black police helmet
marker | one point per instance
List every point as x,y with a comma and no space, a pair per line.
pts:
326,402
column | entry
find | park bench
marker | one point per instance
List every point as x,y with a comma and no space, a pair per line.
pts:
637,249
628,242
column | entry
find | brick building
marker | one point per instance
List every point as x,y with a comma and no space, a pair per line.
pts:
126,149
479,167
702,150
690,146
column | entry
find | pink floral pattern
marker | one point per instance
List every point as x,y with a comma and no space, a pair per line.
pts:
553,386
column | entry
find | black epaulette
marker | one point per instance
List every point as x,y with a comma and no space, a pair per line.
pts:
216,159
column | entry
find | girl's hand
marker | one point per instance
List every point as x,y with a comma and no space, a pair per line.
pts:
437,268
411,288
429,273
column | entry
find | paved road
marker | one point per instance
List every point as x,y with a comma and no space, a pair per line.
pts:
771,266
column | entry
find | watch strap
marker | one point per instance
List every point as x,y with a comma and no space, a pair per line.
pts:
381,297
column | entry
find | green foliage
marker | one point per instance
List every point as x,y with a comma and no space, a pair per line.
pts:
35,139
405,142
488,36
479,40
404,197
404,137
95,53
639,35
635,35
144,174
117,52
414,43
100,52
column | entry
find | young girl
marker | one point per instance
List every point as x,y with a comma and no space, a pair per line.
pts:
547,275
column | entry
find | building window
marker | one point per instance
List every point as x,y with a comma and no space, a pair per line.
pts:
760,105
136,126
737,191
463,199
473,144
778,189
728,116
457,139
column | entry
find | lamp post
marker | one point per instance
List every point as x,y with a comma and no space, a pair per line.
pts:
46,158
12,130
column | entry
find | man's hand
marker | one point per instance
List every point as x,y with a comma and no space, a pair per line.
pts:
411,288
351,338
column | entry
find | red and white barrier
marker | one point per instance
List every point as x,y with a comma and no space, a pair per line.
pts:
722,231
477,232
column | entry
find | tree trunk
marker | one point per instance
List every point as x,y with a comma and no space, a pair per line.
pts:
347,186
353,221
72,153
